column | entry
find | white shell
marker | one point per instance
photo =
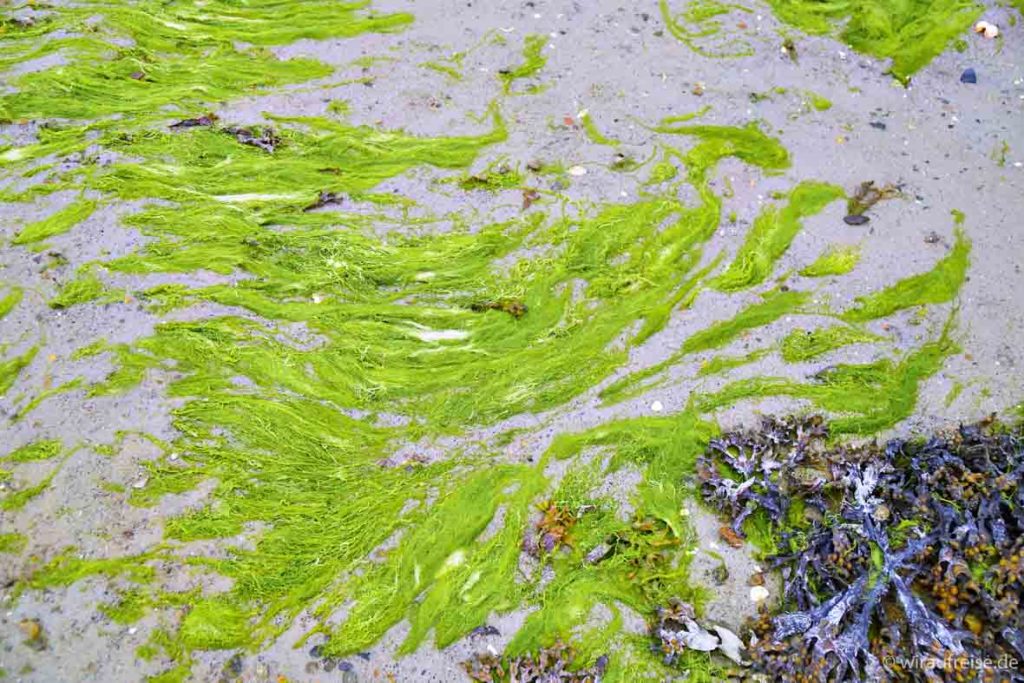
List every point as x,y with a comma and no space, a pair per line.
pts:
989,30
577,171
657,406
731,645
759,594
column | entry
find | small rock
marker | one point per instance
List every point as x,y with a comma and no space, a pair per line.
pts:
881,513
534,165
969,76
729,536
33,632
577,171
855,219
350,677
877,124
316,652
698,89
657,407
312,667
932,237
720,574
141,483
600,551
756,579
234,665
485,630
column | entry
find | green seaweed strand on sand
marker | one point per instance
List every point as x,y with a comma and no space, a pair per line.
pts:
803,345
10,300
867,398
57,223
938,285
836,260
772,233
699,26
534,60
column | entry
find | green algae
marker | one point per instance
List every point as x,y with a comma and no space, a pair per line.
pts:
12,299
910,33
771,308
534,60
772,233
867,398
158,69
214,625
296,430
20,498
803,345
774,306
836,260
699,27
11,542
721,364
85,287
57,223
939,285
953,394
37,450
11,368
594,133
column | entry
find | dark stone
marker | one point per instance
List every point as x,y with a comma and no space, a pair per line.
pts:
316,652
969,76
234,665
855,219
878,124
485,630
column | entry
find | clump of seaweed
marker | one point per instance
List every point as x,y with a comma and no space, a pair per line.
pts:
890,555
550,665
865,197
263,137
514,307
554,527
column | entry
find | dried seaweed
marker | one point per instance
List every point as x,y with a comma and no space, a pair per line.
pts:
900,562
865,197
262,137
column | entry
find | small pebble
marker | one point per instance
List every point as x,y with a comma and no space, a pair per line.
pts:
969,76
657,407
855,219
759,594
577,171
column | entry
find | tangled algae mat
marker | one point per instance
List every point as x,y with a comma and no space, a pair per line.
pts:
361,342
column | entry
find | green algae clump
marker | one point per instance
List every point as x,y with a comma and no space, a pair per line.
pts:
911,33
